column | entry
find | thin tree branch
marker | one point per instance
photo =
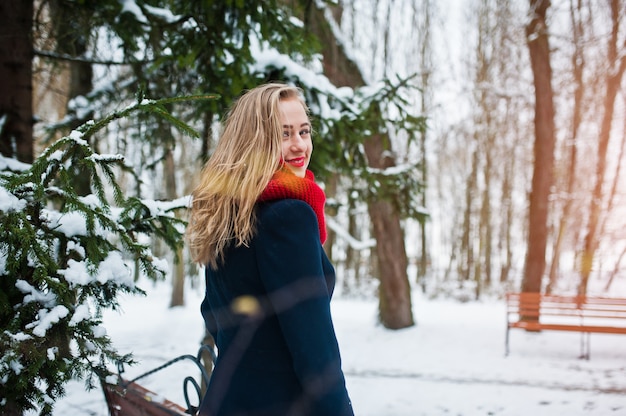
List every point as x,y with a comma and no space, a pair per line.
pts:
70,58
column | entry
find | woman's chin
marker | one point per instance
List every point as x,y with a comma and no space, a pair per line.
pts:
299,171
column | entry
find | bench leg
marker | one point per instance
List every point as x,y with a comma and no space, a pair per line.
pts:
506,342
585,345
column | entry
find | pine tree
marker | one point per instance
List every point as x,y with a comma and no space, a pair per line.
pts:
64,258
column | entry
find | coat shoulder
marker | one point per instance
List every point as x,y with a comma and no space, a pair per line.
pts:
286,210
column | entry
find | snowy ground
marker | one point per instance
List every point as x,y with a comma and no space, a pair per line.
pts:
451,363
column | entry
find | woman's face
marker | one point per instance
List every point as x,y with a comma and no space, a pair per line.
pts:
296,145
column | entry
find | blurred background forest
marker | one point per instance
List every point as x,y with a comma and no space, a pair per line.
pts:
467,147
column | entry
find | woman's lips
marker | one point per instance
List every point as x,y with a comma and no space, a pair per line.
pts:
297,162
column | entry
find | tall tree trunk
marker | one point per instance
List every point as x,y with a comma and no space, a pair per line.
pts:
16,99
394,292
71,31
331,193
483,279
485,138
508,125
466,248
539,48
506,239
353,256
616,270
16,108
578,65
423,21
178,275
617,65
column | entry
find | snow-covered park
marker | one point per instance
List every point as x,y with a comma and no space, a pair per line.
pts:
451,362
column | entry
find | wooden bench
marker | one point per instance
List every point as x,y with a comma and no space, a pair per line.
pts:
128,398
584,314
134,400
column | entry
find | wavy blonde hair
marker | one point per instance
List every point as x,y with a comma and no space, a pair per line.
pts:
247,154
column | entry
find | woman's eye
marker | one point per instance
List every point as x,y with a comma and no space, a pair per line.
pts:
286,134
305,132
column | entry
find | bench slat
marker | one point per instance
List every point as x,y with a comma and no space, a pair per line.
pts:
534,326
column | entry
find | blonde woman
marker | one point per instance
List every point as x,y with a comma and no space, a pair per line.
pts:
257,224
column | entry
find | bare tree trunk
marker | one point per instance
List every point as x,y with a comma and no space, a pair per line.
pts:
505,234
353,257
331,193
494,66
578,65
395,297
394,292
207,136
615,271
613,193
178,281
16,100
486,73
539,48
424,53
617,64
72,39
178,275
483,280
466,249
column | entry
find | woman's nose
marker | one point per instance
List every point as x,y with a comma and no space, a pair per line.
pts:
297,143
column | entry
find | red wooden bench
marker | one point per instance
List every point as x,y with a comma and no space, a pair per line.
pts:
128,398
584,314
135,400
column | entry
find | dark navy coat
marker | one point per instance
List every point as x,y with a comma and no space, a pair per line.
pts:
268,308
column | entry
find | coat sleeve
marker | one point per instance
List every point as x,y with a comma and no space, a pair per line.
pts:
290,265
210,322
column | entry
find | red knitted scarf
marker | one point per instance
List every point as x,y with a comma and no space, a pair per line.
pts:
285,184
